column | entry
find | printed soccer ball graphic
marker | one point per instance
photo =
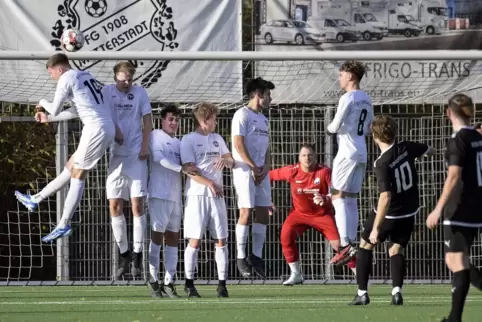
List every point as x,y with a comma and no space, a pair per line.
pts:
72,40
95,8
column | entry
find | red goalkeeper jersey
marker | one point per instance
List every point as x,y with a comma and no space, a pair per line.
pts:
304,185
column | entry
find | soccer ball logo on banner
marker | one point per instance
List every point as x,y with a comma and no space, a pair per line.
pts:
92,25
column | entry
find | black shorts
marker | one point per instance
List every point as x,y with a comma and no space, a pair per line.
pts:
459,239
398,231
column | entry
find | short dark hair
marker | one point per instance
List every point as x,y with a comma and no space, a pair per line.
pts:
384,128
203,112
124,66
174,110
58,59
354,67
462,106
308,146
258,85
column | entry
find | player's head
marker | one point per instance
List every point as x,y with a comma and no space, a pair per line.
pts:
384,129
57,65
170,119
259,92
205,117
461,108
307,156
478,127
351,73
123,75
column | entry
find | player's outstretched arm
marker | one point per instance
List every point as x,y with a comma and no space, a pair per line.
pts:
66,115
281,174
341,112
61,93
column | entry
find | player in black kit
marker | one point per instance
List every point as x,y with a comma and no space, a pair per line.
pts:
398,205
460,201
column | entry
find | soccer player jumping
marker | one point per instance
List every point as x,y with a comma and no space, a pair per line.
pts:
97,134
310,184
460,202
351,124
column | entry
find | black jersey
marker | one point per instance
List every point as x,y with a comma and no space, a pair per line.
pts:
395,172
464,208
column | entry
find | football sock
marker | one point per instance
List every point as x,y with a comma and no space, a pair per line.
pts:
397,265
190,262
242,232
139,227
119,229
351,209
170,263
221,257
460,288
363,268
341,220
295,267
72,201
258,231
58,183
154,259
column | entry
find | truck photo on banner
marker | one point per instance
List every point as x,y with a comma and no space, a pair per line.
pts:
126,25
371,25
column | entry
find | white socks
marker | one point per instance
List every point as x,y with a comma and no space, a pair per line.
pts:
190,261
351,205
170,264
258,232
362,292
119,229
295,267
154,259
221,257
58,183
71,201
396,290
139,229
341,218
242,232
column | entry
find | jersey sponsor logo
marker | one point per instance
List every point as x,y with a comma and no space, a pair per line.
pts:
216,144
130,96
110,28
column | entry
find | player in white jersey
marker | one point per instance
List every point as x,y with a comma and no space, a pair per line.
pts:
98,132
205,207
351,123
251,151
165,200
128,171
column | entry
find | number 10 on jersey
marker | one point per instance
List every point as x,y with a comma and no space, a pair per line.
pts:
403,177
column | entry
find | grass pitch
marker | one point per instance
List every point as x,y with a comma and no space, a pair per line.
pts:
252,303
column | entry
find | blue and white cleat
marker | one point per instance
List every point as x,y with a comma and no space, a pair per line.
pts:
26,200
57,233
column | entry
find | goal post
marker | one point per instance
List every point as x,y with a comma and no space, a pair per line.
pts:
412,86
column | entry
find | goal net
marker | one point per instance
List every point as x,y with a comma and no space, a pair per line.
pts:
303,104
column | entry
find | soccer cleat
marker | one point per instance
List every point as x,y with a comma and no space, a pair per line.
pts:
26,200
294,280
136,269
244,268
397,299
124,261
57,233
222,291
191,292
344,255
258,265
170,291
361,300
154,287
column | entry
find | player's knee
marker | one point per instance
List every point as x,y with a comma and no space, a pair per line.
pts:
79,173
115,207
195,243
365,245
220,243
395,249
172,238
137,206
457,261
244,214
157,237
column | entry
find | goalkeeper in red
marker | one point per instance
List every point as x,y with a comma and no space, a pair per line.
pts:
310,183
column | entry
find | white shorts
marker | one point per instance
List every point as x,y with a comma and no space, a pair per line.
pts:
201,213
248,194
347,175
93,144
164,215
126,177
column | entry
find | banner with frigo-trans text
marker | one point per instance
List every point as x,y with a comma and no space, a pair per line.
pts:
126,25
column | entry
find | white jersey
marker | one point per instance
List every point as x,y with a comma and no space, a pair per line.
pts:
204,151
82,89
254,128
165,183
352,123
129,109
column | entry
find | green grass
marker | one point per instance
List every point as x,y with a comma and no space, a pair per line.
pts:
253,303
